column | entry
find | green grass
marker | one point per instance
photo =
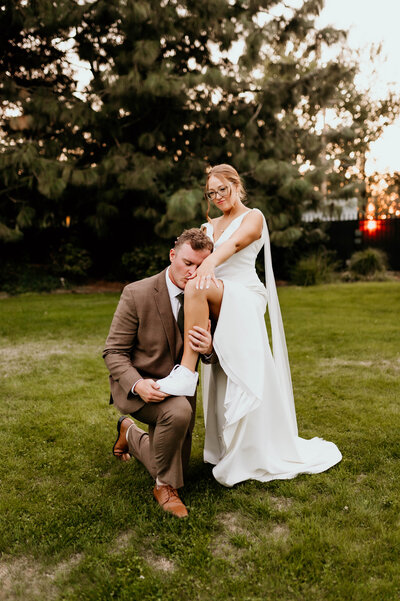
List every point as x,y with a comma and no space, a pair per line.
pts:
77,525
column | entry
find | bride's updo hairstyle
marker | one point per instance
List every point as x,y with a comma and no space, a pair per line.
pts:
228,175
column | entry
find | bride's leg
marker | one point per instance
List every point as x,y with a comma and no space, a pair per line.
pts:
199,304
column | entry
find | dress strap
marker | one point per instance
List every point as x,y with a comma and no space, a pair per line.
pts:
279,347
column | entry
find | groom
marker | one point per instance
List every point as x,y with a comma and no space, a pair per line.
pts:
143,345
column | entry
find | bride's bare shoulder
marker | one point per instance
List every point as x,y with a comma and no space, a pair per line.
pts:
257,212
253,224
254,216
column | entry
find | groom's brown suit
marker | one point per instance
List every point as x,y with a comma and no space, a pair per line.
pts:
145,342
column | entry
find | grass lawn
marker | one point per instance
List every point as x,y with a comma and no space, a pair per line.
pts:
76,524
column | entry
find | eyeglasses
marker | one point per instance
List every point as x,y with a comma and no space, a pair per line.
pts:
221,190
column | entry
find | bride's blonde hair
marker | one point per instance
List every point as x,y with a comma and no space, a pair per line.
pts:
226,173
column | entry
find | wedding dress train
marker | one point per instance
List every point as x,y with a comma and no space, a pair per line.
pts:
250,419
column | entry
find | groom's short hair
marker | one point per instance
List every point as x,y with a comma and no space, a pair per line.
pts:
197,239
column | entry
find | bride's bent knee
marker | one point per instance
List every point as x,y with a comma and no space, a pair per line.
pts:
211,294
191,290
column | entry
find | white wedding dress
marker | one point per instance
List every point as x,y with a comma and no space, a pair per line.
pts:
250,419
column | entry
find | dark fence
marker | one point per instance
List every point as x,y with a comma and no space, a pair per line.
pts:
348,236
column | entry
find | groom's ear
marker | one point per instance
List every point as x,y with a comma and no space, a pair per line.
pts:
172,254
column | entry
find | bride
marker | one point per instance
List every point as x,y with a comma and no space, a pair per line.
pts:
251,429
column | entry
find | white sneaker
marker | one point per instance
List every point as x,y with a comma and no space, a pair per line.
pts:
180,382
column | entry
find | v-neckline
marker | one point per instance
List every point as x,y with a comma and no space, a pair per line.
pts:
227,228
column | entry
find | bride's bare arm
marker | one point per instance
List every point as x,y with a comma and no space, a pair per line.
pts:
249,230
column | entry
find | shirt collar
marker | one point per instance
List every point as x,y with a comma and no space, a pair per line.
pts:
173,289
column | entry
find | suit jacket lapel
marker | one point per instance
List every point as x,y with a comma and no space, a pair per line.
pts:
163,303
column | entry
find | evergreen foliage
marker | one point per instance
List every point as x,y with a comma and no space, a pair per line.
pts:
125,158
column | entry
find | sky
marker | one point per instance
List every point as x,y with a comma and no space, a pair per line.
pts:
373,22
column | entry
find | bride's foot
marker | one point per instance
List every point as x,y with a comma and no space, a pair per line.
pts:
180,382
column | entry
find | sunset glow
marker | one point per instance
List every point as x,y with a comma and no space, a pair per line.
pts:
371,226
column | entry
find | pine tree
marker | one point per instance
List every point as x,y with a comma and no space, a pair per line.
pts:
127,158
39,112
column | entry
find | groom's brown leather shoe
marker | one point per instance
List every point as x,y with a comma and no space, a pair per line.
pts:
121,448
167,497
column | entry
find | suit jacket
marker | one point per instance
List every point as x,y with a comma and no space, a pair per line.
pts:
144,340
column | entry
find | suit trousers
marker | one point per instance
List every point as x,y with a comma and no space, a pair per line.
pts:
165,450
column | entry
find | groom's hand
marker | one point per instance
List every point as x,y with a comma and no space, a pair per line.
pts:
200,340
149,391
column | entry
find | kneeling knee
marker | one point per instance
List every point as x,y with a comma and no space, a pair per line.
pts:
179,414
183,413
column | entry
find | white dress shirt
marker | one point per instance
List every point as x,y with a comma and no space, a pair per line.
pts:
173,292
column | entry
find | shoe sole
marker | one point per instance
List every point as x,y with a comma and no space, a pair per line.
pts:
119,455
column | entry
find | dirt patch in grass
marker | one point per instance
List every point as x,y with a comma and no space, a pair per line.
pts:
232,523
22,358
18,576
280,503
23,578
278,532
265,498
232,530
122,541
32,351
158,562
64,567
383,364
238,533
